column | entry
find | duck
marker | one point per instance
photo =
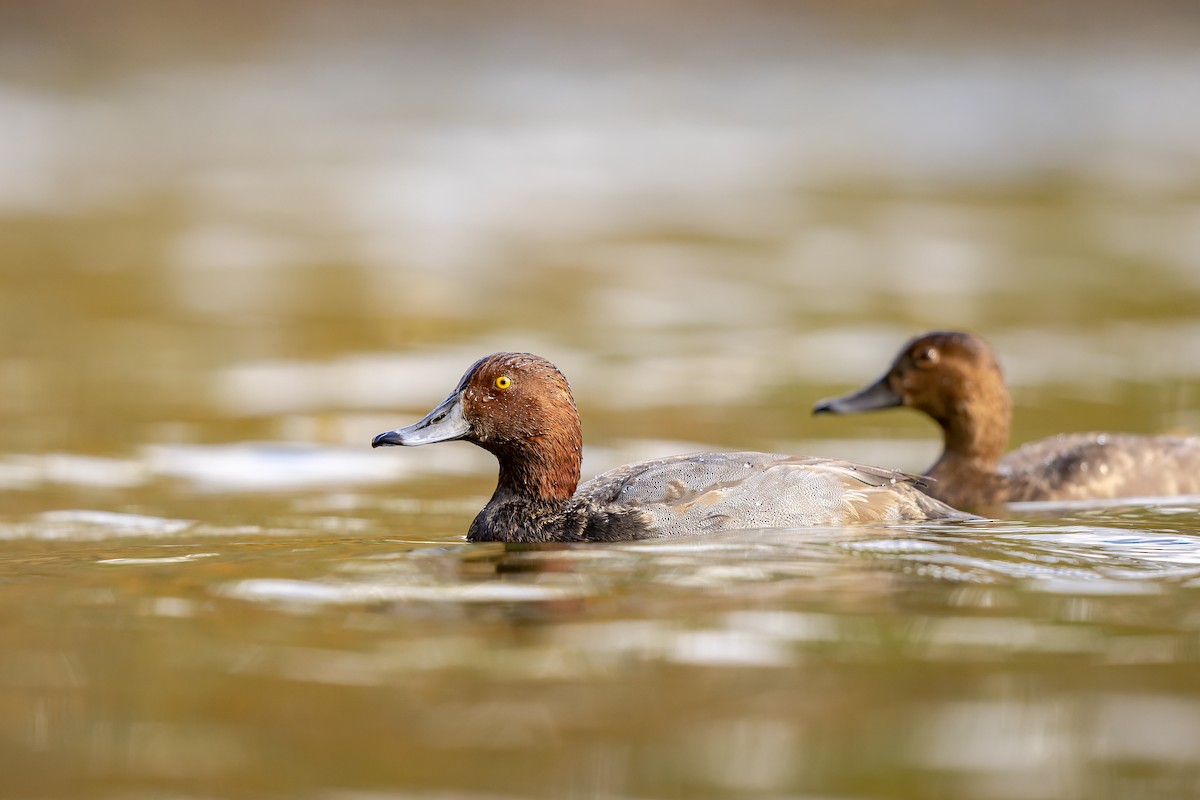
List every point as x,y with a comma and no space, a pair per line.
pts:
519,407
955,378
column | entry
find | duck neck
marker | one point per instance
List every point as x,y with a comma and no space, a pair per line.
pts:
975,433
513,517
538,476
543,467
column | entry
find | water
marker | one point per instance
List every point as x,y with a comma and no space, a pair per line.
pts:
236,245
329,655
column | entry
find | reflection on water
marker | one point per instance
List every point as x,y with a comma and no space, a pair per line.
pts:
999,659
239,243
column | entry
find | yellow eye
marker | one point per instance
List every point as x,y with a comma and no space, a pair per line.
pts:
503,382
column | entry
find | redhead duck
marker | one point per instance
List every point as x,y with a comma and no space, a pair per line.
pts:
519,407
955,379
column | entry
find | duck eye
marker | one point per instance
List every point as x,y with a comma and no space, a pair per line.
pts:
503,382
927,357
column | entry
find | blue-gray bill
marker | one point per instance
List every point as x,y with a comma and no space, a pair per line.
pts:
445,423
878,395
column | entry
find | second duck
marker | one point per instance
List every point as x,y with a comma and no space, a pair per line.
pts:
955,378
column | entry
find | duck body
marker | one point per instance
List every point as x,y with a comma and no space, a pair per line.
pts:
519,407
704,492
956,380
1085,466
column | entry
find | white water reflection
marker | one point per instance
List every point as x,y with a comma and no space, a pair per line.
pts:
498,136
69,522
258,467
255,467
28,471
751,358
748,754
1148,728
300,592
183,559
1008,748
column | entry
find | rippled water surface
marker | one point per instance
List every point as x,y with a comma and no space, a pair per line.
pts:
330,648
237,244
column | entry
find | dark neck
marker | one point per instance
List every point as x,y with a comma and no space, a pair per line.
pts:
510,517
514,517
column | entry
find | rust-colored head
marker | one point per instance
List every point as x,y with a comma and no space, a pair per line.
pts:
951,376
519,407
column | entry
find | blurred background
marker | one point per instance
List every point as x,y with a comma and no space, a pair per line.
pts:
239,239
298,221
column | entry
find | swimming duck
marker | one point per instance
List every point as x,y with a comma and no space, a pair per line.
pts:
519,407
955,378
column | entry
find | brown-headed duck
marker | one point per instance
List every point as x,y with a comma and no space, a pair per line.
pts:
519,407
955,379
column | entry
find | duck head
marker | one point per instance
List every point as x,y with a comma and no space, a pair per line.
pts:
517,406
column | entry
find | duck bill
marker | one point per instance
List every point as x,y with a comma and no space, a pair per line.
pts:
878,395
444,424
